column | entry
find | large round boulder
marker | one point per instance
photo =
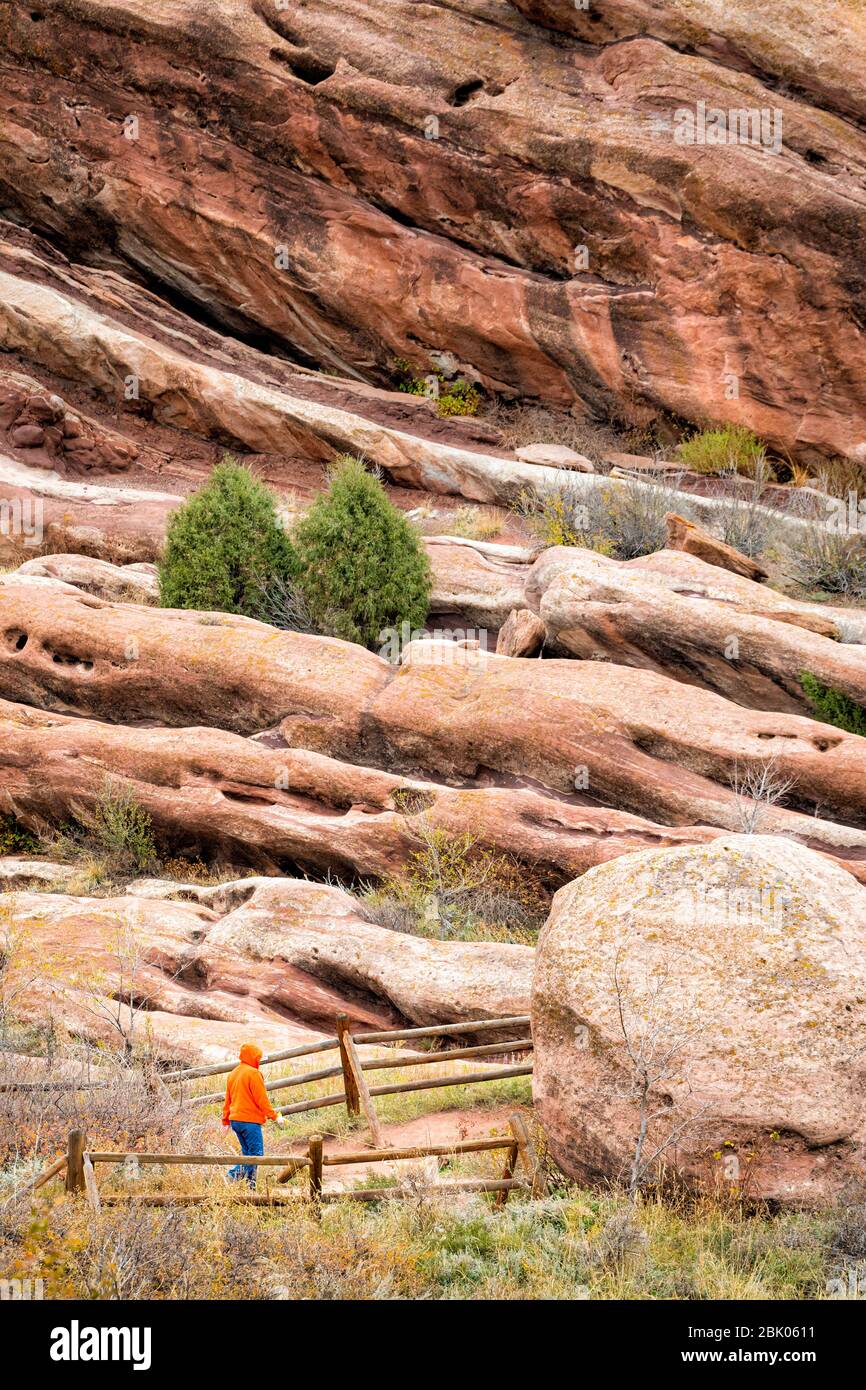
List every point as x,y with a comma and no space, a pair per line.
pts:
714,996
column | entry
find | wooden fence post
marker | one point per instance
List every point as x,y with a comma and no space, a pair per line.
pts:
529,1155
508,1172
75,1161
316,1169
360,1089
350,1086
90,1183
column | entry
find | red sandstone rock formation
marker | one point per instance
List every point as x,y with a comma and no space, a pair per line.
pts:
740,639
634,740
293,174
285,951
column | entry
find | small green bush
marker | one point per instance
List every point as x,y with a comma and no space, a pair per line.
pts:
832,706
113,838
458,397
15,839
223,545
361,566
121,828
730,448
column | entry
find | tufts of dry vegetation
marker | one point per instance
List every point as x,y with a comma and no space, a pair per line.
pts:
827,560
455,889
624,522
572,1245
429,1244
521,424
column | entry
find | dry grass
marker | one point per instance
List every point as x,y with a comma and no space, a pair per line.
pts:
574,1243
522,424
477,523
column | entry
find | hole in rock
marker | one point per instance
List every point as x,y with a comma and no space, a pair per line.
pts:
81,663
258,798
824,745
462,94
306,66
16,639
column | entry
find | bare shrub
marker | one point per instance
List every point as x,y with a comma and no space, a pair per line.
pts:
744,522
620,1239
81,1088
133,1252
521,424
122,996
283,605
757,788
657,1045
827,558
455,888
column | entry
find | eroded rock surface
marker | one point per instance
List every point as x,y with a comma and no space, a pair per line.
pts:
736,972
685,619
281,957
632,739
295,123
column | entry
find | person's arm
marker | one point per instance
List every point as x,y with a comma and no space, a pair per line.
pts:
260,1095
227,1105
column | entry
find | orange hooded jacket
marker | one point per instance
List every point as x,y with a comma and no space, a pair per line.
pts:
246,1098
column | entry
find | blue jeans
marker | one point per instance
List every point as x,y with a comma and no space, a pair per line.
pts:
251,1141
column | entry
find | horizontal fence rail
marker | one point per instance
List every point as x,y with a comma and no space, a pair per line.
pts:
219,1160
330,1044
468,1079
80,1163
285,1083
357,1095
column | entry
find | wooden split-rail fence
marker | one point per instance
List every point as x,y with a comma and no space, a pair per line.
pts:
357,1095
79,1162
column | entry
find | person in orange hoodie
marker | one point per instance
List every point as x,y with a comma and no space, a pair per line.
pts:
245,1110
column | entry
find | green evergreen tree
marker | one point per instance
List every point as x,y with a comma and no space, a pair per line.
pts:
223,545
361,565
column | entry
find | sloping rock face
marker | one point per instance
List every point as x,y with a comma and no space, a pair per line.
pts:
136,354
592,731
242,165
318,931
739,639
239,801
276,957
733,977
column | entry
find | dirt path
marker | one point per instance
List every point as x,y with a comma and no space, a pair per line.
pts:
444,1127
